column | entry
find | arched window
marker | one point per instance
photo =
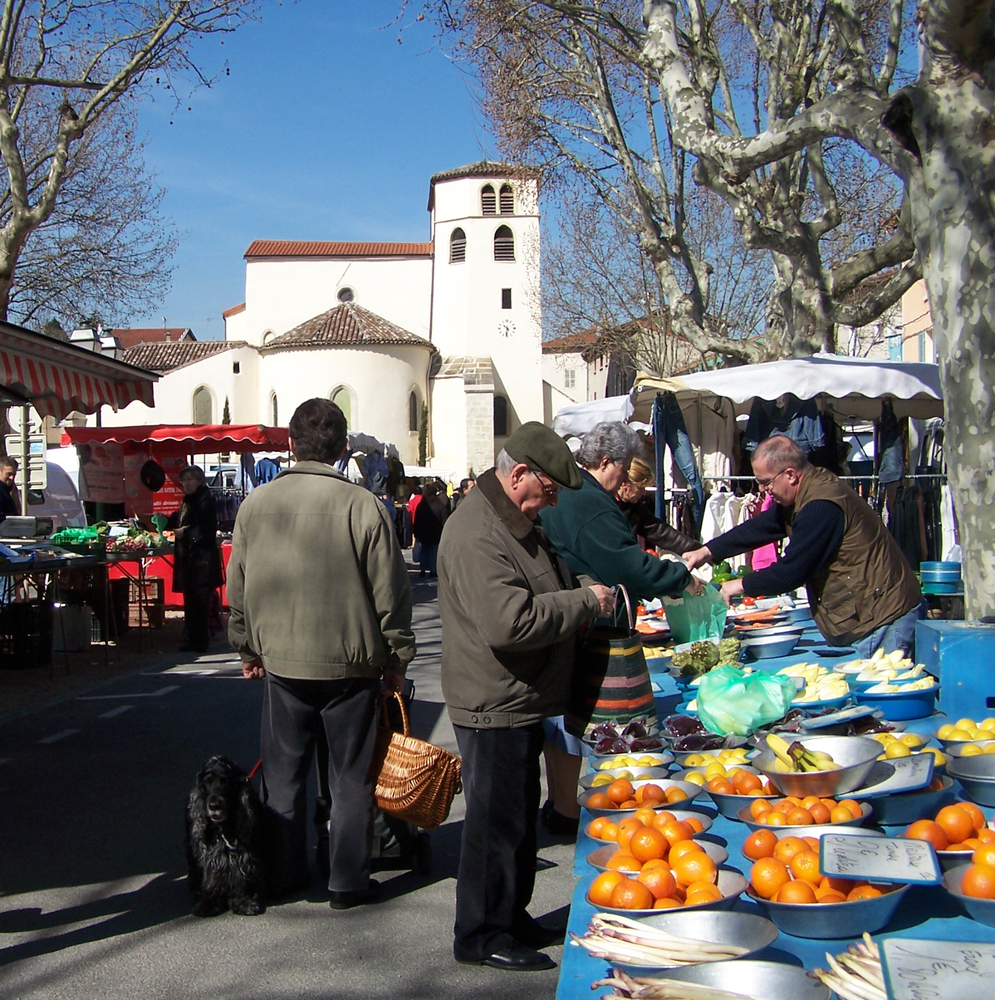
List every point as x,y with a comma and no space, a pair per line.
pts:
457,247
507,200
488,203
203,406
274,412
504,244
413,412
500,416
342,398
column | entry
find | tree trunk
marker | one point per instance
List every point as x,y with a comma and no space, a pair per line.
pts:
951,116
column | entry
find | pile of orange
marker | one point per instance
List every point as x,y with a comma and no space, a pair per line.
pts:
682,875
978,879
646,835
787,871
740,782
793,811
622,794
957,827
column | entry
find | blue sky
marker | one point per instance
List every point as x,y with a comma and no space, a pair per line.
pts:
326,128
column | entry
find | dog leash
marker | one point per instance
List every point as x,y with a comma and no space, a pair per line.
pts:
255,769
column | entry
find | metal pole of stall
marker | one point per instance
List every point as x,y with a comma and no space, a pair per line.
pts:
25,457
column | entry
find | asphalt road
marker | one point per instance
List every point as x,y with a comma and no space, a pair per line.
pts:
93,898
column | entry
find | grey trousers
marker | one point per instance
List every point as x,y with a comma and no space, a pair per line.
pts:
293,711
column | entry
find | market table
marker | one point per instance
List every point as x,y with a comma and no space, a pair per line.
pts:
943,923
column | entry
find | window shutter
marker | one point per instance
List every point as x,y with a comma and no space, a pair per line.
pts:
504,244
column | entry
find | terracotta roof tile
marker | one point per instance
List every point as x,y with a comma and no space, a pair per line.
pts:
234,311
165,357
346,324
487,168
133,336
328,248
571,343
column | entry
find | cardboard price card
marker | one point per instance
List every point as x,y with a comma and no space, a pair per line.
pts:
878,859
938,970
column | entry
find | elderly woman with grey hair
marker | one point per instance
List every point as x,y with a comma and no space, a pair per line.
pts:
589,531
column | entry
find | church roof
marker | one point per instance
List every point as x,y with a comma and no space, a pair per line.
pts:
350,324
166,356
486,168
571,343
333,248
234,311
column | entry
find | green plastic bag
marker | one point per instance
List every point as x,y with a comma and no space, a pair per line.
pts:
692,619
730,701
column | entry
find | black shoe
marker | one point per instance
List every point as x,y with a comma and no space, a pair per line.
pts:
357,897
560,825
517,958
537,935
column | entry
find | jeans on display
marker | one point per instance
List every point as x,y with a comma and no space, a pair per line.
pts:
900,634
891,448
669,430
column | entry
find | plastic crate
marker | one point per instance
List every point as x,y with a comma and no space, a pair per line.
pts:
154,590
149,615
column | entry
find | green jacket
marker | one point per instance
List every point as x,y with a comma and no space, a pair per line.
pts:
317,584
510,614
589,530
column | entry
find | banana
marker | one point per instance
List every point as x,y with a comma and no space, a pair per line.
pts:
780,747
795,757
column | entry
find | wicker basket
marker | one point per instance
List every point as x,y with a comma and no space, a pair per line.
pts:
416,781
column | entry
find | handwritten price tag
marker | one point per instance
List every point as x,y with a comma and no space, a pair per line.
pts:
880,859
938,970
903,774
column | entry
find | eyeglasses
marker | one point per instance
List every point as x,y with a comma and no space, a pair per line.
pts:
766,484
550,490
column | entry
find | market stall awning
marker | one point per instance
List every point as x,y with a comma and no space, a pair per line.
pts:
186,439
57,378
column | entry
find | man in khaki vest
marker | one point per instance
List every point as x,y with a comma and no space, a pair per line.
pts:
861,588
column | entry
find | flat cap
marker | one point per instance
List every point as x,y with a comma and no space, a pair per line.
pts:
542,449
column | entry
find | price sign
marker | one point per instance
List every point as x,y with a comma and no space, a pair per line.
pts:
880,859
37,468
903,774
938,970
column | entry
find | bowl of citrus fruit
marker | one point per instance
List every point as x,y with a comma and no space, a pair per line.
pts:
655,759
902,808
611,858
973,886
606,828
761,843
897,745
786,883
976,776
625,796
957,832
600,779
965,731
695,882
972,749
730,792
792,811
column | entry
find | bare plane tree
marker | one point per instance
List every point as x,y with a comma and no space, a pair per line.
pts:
65,66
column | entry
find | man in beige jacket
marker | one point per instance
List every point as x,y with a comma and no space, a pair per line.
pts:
320,607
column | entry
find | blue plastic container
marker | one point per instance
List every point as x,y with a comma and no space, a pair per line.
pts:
901,705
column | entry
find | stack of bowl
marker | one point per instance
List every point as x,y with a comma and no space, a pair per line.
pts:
940,577
976,776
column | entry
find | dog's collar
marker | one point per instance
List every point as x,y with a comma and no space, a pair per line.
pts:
227,842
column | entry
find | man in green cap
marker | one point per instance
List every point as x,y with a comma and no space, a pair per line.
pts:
510,611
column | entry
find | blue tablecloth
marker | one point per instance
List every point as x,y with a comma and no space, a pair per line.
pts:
928,912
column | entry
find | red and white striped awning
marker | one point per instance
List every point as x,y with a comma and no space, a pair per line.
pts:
58,378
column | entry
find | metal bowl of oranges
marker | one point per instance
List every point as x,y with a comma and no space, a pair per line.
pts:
867,907
601,857
758,843
799,816
623,797
730,791
600,828
974,890
958,832
902,808
620,890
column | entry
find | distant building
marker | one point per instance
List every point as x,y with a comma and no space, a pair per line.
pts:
382,328
916,342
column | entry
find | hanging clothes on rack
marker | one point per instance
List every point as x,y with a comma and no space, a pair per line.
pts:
670,431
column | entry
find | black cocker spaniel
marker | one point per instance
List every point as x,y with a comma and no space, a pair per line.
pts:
223,841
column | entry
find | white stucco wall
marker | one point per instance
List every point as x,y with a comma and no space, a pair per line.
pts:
281,294
447,426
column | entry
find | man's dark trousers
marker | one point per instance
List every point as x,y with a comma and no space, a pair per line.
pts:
292,711
498,849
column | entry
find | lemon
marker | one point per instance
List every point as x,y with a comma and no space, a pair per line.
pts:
647,761
693,760
645,776
695,777
988,723
944,731
959,734
601,779
939,757
965,724
606,765
911,740
897,749
990,748
986,734
972,750
715,770
624,773
977,734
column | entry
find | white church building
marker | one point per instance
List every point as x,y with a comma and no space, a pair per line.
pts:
384,329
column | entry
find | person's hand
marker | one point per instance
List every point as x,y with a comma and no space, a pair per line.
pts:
697,557
696,587
253,670
606,599
393,682
731,589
